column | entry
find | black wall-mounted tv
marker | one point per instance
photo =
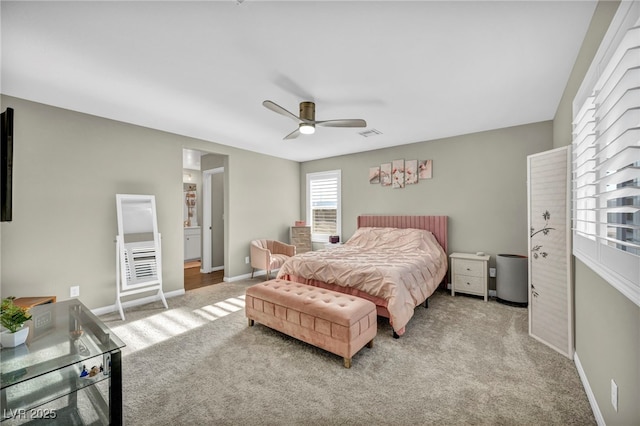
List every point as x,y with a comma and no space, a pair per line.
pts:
6,166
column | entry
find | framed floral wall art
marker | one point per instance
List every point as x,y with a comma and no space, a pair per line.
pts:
397,174
374,174
411,172
385,174
400,173
425,169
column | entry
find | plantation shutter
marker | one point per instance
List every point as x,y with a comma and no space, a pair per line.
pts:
323,193
606,157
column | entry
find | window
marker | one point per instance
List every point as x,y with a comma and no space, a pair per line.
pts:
606,157
323,204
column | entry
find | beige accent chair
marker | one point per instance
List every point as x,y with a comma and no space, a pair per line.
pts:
269,255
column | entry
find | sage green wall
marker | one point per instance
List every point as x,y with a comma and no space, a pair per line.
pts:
607,324
68,168
479,181
608,345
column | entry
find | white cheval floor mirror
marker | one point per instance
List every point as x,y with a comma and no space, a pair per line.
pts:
138,254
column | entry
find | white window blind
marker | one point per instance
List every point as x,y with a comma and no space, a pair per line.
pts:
323,204
606,157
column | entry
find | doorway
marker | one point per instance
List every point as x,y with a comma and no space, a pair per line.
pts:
208,266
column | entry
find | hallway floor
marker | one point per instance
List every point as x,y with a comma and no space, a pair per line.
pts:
194,279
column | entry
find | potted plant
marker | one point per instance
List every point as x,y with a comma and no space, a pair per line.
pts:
13,317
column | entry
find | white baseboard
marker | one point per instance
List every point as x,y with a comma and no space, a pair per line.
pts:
260,273
587,388
215,268
141,301
241,277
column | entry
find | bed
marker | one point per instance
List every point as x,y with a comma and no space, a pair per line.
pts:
397,262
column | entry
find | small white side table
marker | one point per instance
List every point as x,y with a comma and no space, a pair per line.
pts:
469,274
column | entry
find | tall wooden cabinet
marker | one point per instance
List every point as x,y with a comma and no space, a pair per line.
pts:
300,236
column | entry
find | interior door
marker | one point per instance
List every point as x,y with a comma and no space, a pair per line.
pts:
213,220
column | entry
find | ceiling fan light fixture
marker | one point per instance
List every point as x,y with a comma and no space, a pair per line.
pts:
307,120
307,129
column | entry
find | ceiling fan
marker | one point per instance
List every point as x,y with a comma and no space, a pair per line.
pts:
307,120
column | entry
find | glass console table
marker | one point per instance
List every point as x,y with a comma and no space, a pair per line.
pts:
68,373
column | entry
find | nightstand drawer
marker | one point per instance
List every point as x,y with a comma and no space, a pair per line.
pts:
469,284
469,267
301,232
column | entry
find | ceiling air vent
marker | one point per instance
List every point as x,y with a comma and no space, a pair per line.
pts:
370,132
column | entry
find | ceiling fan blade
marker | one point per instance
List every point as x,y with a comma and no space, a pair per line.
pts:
293,134
277,108
342,123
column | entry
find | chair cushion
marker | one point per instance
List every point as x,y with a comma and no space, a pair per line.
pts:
277,260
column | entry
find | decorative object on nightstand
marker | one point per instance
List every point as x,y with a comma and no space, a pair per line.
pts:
469,274
300,236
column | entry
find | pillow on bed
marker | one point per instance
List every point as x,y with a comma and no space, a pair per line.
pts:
397,239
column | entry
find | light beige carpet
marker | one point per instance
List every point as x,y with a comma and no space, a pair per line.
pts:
462,361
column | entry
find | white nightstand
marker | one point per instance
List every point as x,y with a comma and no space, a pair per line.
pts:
469,274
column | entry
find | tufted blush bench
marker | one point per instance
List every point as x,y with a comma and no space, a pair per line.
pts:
339,323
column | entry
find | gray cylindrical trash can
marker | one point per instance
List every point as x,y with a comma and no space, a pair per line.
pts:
511,279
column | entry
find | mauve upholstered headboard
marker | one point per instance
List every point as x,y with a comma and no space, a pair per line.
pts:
436,224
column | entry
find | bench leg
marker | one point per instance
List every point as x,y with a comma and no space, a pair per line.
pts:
370,344
347,362
250,322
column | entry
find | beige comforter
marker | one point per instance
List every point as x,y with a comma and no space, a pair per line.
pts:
401,266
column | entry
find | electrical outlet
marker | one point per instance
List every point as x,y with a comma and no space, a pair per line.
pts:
246,260
492,272
74,291
614,395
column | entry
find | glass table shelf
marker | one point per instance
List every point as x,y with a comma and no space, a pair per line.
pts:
68,372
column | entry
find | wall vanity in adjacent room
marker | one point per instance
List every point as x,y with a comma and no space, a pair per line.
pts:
192,243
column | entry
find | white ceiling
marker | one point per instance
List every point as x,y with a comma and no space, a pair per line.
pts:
415,71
